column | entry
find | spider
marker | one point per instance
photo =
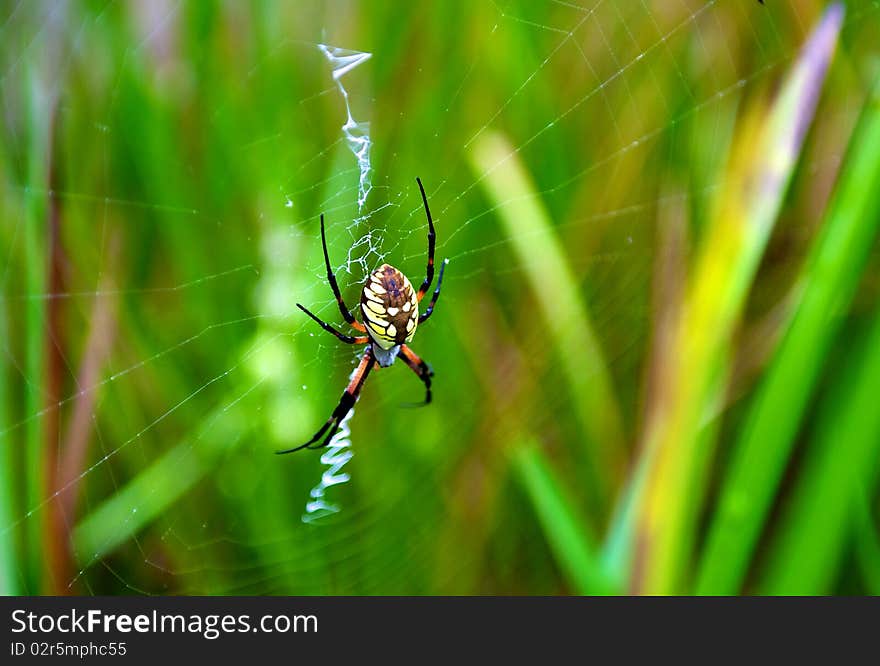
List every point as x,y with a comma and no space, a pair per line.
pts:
390,311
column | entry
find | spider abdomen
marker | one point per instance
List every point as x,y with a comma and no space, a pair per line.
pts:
389,307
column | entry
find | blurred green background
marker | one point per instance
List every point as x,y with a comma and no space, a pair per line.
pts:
657,351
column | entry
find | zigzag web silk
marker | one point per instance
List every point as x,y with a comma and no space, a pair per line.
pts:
357,138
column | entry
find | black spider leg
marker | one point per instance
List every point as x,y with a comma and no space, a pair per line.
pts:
422,369
348,339
432,236
331,278
430,309
346,402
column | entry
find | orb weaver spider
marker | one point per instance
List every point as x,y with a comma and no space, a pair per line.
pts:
390,311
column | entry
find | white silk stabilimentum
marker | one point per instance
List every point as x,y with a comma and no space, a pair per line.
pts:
337,454
357,137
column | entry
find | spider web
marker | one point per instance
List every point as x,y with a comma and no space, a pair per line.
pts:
164,379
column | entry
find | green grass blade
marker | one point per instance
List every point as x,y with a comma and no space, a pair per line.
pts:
841,466
766,151
618,551
36,272
827,286
867,537
546,267
9,581
141,501
572,547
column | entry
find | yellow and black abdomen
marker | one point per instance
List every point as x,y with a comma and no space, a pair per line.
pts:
389,307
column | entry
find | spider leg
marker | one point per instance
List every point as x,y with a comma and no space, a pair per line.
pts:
331,278
348,339
422,369
346,402
429,277
433,301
